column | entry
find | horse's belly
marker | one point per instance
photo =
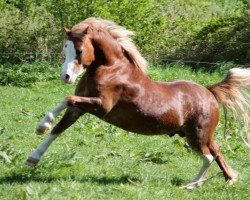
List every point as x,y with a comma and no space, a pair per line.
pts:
130,118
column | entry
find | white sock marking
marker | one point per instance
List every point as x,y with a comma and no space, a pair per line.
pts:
50,117
207,161
59,108
43,146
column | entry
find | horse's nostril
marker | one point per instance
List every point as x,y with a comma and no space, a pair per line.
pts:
67,77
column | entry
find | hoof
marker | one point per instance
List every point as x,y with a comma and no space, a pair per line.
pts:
192,185
233,179
40,130
32,162
45,124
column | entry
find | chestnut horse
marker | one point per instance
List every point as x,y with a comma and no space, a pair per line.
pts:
116,89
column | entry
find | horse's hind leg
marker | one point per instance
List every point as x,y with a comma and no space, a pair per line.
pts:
198,134
207,161
210,152
70,116
229,174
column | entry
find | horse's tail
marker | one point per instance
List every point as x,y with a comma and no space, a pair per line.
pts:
233,94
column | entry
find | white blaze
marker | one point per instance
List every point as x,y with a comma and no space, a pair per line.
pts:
70,71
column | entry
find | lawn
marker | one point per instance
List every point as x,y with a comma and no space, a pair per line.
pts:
94,160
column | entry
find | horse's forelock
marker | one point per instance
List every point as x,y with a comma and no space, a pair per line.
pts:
79,30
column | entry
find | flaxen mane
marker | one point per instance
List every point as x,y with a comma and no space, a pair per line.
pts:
119,33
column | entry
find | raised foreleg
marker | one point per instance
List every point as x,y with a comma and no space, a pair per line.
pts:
87,104
77,106
93,105
46,123
70,116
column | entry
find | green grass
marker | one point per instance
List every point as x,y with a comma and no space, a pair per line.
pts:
94,160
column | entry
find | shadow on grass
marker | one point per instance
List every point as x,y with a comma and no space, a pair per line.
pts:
176,181
102,180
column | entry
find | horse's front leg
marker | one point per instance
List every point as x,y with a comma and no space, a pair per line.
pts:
93,105
46,123
70,116
77,106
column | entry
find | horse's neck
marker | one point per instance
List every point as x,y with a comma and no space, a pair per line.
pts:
110,48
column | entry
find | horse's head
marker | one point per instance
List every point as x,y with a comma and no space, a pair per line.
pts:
85,41
79,52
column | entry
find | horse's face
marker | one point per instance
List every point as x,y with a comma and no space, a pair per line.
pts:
79,53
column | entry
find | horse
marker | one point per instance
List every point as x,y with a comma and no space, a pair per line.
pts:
116,89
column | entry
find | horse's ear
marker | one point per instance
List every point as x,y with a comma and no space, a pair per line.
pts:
67,31
88,30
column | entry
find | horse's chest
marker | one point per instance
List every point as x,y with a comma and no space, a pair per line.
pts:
87,87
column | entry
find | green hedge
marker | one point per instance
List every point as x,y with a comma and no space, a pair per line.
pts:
202,30
24,75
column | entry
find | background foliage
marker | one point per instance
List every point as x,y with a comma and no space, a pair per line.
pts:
201,30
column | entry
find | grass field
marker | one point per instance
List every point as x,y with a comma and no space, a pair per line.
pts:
94,160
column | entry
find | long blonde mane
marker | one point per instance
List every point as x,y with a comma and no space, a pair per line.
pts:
119,33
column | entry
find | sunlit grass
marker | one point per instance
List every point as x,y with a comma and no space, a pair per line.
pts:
94,160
